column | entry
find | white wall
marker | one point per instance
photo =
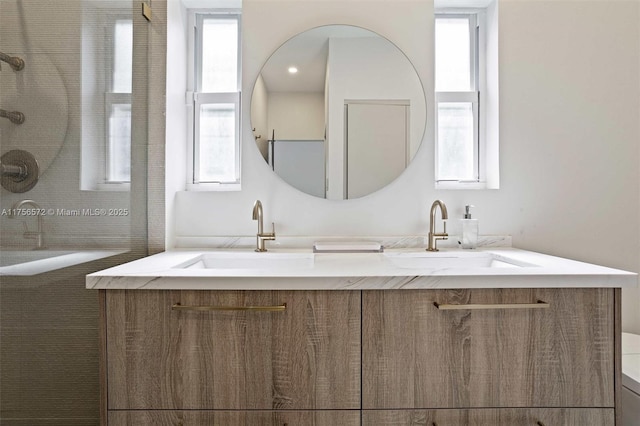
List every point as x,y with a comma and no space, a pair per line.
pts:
569,109
569,101
296,115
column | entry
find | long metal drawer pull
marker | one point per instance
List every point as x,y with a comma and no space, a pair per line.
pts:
538,423
277,308
538,305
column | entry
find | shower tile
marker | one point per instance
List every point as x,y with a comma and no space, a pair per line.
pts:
50,374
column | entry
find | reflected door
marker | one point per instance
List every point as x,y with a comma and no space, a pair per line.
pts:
376,145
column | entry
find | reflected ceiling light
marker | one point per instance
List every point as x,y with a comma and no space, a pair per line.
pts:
293,70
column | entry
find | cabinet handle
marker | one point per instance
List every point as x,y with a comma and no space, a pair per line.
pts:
277,308
538,305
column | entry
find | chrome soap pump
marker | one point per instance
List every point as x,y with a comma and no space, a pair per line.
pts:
469,226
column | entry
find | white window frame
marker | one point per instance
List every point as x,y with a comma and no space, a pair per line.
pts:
195,99
98,30
477,24
112,98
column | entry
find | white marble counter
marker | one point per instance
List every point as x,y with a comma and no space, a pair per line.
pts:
413,268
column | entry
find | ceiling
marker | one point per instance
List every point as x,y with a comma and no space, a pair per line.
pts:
308,52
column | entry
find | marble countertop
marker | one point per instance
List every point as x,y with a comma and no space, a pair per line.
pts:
301,269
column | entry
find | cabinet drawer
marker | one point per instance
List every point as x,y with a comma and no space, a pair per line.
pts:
304,357
493,417
416,355
234,418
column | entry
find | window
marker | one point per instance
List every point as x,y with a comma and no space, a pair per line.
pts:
457,98
216,99
467,94
118,104
106,85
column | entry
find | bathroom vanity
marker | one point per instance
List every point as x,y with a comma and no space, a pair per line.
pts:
493,336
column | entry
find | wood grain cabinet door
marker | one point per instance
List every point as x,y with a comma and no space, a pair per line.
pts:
234,418
493,417
304,357
508,355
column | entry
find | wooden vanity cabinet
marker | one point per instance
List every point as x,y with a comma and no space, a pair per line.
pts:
499,355
370,358
492,416
305,357
235,418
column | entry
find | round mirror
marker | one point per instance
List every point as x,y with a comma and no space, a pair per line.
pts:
338,112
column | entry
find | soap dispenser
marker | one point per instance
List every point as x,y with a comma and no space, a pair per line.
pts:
469,228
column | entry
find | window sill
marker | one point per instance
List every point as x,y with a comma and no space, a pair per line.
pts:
110,187
462,185
217,187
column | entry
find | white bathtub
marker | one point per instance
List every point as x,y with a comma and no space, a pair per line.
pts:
630,379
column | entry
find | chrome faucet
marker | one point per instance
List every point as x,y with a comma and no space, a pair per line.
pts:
37,235
433,236
261,236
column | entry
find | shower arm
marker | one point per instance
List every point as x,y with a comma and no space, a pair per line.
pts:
16,117
16,63
15,171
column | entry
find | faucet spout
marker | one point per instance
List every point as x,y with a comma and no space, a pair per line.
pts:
433,235
262,236
37,235
257,214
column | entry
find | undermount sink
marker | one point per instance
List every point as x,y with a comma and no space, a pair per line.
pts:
428,260
288,261
250,260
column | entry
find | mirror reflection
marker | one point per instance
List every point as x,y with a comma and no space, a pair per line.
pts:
106,85
338,112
